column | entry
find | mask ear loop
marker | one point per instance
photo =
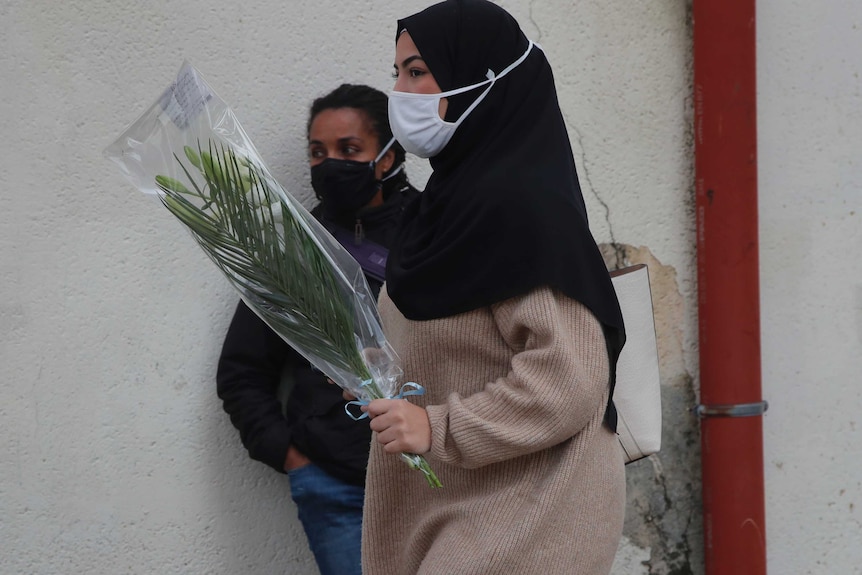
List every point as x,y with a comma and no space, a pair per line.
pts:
492,79
384,150
394,173
383,153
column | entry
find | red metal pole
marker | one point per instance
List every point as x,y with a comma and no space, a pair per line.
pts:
728,287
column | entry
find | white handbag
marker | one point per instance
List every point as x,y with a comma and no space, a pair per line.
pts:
637,394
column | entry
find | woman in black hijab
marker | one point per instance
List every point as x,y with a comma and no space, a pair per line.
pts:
498,302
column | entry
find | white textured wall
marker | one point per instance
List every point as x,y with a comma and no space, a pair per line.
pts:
115,456
810,138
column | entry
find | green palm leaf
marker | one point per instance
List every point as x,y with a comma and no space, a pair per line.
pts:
288,270
232,210
274,261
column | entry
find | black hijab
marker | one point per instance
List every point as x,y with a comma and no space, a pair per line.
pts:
503,212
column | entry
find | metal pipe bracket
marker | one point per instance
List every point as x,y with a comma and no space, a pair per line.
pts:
732,410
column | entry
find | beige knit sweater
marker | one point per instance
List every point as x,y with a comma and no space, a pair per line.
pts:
533,482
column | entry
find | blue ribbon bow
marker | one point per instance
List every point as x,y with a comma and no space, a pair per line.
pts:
409,388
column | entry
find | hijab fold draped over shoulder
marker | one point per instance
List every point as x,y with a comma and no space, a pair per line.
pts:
503,211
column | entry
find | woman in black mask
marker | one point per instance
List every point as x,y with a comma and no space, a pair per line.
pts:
498,302
358,176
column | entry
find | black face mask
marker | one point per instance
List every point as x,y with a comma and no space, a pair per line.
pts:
344,186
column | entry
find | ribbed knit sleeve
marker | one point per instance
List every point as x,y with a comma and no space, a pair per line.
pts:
557,381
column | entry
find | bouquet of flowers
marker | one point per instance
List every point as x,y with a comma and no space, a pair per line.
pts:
189,150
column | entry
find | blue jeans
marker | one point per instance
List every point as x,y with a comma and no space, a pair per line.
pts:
331,514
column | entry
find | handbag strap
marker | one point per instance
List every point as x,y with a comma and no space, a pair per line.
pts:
370,255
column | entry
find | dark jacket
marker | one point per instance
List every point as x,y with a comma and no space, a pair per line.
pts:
254,359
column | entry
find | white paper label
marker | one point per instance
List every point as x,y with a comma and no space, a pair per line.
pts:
185,98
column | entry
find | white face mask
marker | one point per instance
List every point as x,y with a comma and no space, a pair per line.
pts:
415,118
